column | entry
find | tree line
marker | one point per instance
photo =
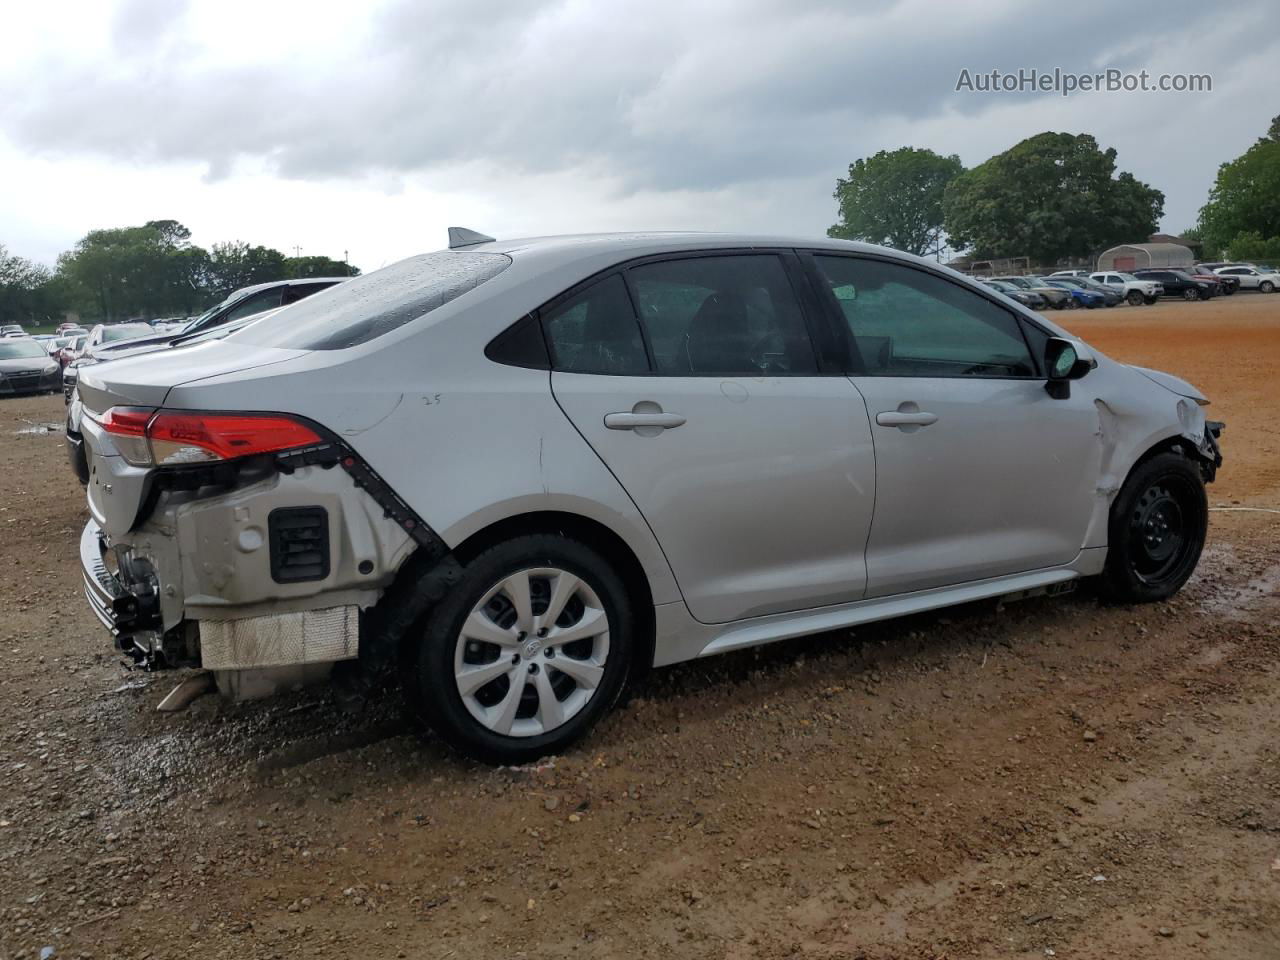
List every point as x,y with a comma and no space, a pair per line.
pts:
1052,197
149,271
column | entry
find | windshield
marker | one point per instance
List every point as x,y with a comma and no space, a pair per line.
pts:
371,305
212,310
17,349
126,331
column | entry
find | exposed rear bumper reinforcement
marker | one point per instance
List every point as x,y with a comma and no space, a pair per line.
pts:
101,588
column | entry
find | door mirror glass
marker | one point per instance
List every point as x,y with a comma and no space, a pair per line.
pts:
1062,361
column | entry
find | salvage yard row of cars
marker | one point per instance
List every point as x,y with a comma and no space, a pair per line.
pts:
1069,289
511,476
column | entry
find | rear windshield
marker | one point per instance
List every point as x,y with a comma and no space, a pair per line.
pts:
126,331
368,306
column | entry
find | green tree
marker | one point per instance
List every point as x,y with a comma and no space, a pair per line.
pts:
1051,196
237,264
24,289
1245,198
1273,131
300,268
1251,247
146,271
894,198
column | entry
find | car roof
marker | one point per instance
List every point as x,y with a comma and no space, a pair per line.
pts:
641,243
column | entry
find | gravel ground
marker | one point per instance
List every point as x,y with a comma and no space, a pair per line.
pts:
1051,778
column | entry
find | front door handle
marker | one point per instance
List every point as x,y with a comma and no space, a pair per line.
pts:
902,418
630,421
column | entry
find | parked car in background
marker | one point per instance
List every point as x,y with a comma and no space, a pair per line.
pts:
259,298
25,367
1225,286
1054,297
72,350
1025,297
243,305
101,338
65,326
1178,283
55,344
12,330
541,434
1134,290
1082,297
1252,278
1069,273
1110,296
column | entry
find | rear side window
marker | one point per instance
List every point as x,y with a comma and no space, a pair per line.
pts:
595,331
368,306
909,323
722,315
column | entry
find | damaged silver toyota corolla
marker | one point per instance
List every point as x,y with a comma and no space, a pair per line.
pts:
514,474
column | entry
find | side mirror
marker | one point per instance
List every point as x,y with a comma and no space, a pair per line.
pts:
1064,362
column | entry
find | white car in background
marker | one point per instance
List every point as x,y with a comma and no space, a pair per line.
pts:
1252,278
1134,289
512,475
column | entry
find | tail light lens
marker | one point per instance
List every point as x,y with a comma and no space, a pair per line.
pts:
128,429
169,438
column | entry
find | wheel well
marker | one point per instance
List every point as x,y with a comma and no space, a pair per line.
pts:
593,534
1183,447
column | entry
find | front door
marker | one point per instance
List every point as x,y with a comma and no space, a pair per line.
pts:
754,470
979,472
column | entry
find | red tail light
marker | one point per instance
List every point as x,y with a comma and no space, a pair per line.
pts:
146,437
195,437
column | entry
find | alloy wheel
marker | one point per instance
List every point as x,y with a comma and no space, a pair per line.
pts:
531,654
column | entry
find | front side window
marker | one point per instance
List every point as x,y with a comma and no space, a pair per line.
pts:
722,316
595,331
909,323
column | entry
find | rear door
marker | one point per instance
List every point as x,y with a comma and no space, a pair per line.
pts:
695,380
979,472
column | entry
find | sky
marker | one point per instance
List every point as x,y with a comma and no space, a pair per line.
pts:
365,129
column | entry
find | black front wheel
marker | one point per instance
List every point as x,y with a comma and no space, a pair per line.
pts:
1134,297
1190,293
1157,530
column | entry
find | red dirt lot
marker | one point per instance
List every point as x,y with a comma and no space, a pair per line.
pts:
1051,778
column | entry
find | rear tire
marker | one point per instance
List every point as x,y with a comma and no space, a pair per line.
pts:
1156,531
526,695
1061,304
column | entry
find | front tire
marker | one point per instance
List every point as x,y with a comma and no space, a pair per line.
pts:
1266,286
1135,298
526,653
1157,530
1150,301
1191,293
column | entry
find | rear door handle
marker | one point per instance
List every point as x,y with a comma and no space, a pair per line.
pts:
629,421
897,418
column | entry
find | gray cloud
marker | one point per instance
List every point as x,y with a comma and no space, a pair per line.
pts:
668,95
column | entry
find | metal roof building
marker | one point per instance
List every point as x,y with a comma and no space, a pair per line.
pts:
1135,256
